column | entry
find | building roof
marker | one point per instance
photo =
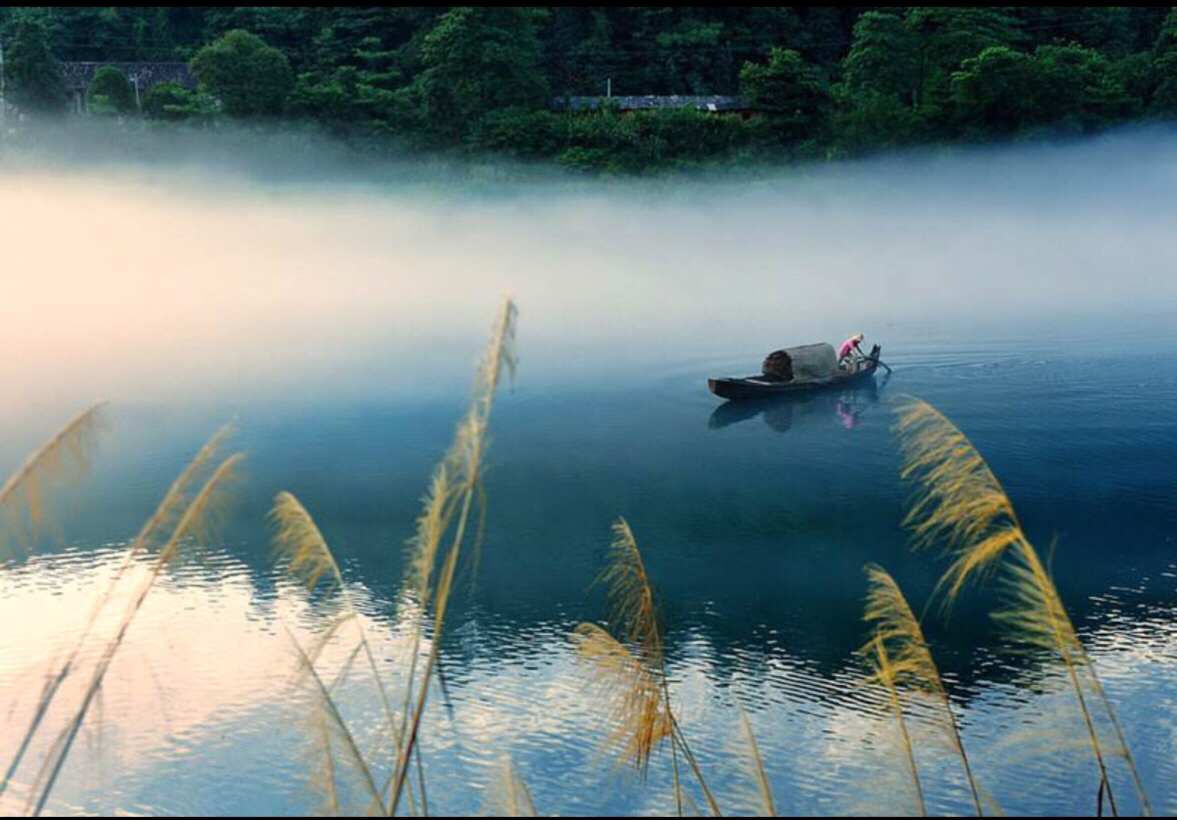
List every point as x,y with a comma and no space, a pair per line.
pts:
79,75
650,101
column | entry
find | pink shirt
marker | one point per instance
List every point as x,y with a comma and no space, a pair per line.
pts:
847,346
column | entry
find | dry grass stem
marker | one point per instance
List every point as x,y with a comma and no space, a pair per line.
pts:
192,526
632,671
67,454
960,503
767,804
885,675
912,664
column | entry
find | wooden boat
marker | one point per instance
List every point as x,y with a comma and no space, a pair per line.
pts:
775,384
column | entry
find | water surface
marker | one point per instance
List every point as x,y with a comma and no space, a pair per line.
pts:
1028,295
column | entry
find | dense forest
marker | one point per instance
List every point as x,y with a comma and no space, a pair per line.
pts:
808,82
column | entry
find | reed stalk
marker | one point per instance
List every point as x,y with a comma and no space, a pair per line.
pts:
767,804
66,453
454,490
885,675
631,671
191,527
961,505
912,664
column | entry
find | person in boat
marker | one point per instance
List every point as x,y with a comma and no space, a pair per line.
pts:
850,351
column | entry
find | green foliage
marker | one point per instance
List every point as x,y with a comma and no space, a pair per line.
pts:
1164,101
478,61
173,102
250,78
1063,88
876,121
32,74
1077,89
521,133
996,91
884,58
789,88
110,92
947,36
824,81
369,96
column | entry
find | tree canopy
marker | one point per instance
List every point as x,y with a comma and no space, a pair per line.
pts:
250,78
32,75
814,81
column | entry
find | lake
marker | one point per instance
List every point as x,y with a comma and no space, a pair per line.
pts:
1028,293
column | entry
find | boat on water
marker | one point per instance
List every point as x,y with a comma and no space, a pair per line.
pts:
796,370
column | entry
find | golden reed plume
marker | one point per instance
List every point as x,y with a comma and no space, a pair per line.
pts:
911,661
961,505
631,672
67,454
885,674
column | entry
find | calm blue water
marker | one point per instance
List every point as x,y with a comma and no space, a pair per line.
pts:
754,520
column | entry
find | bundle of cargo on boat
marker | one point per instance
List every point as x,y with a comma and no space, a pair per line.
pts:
803,363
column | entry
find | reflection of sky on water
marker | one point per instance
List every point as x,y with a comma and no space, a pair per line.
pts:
199,715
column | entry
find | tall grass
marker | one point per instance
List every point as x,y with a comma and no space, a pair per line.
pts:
631,668
886,675
961,506
450,523
64,456
901,657
181,520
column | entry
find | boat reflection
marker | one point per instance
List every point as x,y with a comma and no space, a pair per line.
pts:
784,413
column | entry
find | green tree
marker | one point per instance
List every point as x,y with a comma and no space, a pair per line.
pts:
33,75
363,98
884,57
1164,101
478,61
947,36
790,89
1078,91
997,92
250,78
173,102
110,92
871,121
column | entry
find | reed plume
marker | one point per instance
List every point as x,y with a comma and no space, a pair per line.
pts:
960,504
443,529
637,709
191,527
166,514
886,675
302,550
631,671
912,665
22,497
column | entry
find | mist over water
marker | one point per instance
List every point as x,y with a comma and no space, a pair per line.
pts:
133,282
336,313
